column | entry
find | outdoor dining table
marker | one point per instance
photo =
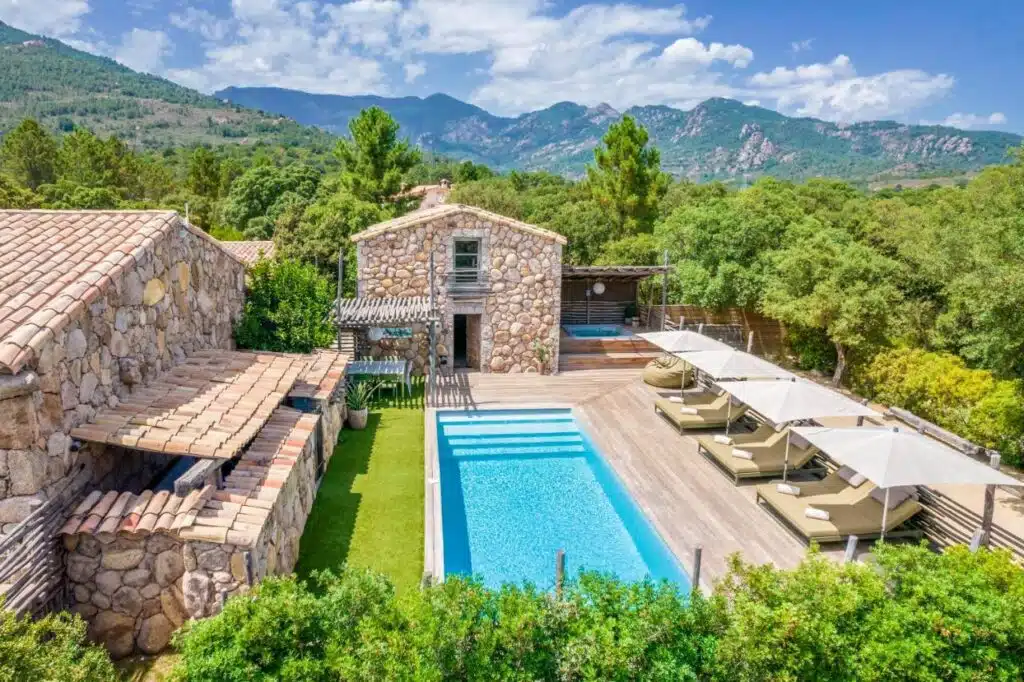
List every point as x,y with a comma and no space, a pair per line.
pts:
398,369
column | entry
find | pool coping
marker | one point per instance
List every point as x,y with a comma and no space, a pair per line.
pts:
433,528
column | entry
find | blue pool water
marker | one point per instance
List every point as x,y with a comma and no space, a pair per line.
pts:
596,331
518,485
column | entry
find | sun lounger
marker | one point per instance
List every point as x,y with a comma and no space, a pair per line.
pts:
712,415
852,511
768,448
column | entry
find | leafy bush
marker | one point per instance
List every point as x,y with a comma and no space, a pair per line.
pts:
913,615
940,388
356,628
50,649
287,308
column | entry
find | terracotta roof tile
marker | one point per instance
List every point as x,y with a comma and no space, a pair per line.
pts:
211,405
250,252
321,377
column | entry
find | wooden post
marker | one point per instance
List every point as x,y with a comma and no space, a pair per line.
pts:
337,303
990,504
851,549
750,342
559,573
698,552
664,290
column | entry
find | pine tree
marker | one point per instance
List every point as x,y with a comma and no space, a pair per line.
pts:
374,160
29,153
627,179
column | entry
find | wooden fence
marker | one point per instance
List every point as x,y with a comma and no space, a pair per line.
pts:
769,335
32,576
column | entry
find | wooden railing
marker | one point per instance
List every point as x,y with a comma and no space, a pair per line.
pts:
32,574
947,522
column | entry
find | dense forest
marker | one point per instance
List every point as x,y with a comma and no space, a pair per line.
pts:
897,292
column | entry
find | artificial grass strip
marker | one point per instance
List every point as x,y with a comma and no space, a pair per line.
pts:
369,510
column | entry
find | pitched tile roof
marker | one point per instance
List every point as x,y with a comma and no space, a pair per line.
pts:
211,405
250,252
444,210
53,264
235,514
322,376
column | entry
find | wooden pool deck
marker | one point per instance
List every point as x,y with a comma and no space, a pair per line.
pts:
686,497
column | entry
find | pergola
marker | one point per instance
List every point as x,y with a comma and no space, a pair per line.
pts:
583,302
363,313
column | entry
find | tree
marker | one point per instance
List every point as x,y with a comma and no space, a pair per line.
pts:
627,179
287,308
29,154
374,160
86,160
13,195
825,280
203,173
259,195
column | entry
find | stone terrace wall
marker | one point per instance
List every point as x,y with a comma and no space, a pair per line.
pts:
184,294
522,303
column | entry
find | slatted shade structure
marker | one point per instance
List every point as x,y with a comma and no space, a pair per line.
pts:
212,405
358,313
581,304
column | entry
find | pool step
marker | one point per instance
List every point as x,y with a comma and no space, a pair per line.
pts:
481,416
607,360
620,344
520,428
518,450
522,439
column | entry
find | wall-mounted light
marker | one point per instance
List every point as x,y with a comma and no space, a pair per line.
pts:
598,288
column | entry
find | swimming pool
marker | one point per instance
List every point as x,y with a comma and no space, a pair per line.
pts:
596,331
518,485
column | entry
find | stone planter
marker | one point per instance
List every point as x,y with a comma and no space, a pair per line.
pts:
357,418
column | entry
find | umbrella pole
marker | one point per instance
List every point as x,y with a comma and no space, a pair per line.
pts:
785,464
885,514
728,415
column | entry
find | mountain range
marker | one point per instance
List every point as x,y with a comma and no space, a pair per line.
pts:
720,138
63,87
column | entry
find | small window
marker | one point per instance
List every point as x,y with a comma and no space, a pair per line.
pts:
467,260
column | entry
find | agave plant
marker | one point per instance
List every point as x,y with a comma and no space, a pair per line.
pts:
359,394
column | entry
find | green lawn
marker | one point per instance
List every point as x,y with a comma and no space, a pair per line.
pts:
369,510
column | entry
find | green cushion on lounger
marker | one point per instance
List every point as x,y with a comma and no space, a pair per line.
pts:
667,372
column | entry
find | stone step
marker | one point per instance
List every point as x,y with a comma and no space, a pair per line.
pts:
607,360
619,344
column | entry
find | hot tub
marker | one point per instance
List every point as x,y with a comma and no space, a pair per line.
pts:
596,331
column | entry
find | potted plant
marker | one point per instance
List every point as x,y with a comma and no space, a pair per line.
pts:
357,397
543,354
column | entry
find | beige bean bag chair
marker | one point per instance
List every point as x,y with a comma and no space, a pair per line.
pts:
667,372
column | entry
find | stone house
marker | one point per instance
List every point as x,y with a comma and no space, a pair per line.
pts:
497,283
191,467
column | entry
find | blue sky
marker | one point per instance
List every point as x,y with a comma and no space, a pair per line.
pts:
916,61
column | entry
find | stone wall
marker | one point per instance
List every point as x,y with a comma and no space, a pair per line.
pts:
135,590
519,305
184,294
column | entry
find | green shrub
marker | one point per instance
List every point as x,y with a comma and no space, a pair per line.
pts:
287,308
51,649
354,627
940,388
912,615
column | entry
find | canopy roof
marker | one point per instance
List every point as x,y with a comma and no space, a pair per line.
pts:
895,457
787,401
683,341
382,312
612,272
734,364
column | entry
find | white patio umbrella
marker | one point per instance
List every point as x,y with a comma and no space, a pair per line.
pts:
892,457
683,341
734,364
782,402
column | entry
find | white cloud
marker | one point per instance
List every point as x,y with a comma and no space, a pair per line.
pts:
801,45
144,50
692,50
967,121
48,17
202,22
414,70
834,91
